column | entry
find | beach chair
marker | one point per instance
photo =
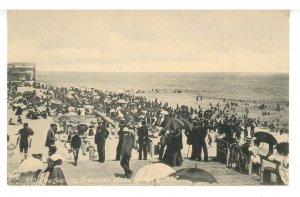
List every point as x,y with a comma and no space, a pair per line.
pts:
223,151
267,168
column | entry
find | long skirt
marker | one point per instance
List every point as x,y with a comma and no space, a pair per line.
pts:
56,177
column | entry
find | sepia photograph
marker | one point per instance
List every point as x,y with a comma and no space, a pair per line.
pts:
148,97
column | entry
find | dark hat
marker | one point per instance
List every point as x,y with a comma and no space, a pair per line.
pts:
37,155
52,148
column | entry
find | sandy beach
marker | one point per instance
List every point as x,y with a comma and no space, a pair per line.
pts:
110,173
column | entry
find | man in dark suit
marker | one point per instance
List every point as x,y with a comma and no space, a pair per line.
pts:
143,139
202,144
100,138
75,145
195,140
50,140
127,145
120,143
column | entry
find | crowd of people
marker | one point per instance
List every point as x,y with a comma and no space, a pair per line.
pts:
129,116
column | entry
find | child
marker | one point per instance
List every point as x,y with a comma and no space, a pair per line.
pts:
75,146
19,120
90,148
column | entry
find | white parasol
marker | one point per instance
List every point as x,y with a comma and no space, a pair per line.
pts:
30,164
153,172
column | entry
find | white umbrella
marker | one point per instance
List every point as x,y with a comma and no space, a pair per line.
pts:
30,164
40,94
121,101
164,112
89,107
153,172
18,98
24,89
69,96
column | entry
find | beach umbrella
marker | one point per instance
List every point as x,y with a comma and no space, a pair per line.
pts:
89,107
30,164
28,94
265,137
35,100
164,112
82,128
173,124
129,119
18,98
283,148
152,172
194,175
187,124
69,96
66,104
56,101
25,89
64,118
121,101
20,105
40,94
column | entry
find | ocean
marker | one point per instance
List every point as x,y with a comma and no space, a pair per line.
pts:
269,89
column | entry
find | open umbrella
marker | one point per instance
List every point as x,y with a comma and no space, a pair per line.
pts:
82,128
69,96
18,98
56,101
283,148
121,101
265,137
187,124
30,164
153,172
164,112
194,175
35,100
64,118
173,124
28,94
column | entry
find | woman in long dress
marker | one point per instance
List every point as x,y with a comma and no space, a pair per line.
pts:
56,175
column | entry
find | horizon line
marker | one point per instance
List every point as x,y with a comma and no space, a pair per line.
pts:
165,72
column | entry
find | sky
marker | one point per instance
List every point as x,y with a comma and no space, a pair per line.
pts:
150,41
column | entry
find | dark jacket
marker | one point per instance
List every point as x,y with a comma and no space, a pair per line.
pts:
203,133
101,135
143,133
121,135
50,140
24,134
176,141
127,145
75,142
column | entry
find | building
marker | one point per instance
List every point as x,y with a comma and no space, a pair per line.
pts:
21,72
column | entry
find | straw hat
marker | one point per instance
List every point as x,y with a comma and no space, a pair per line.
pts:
125,129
